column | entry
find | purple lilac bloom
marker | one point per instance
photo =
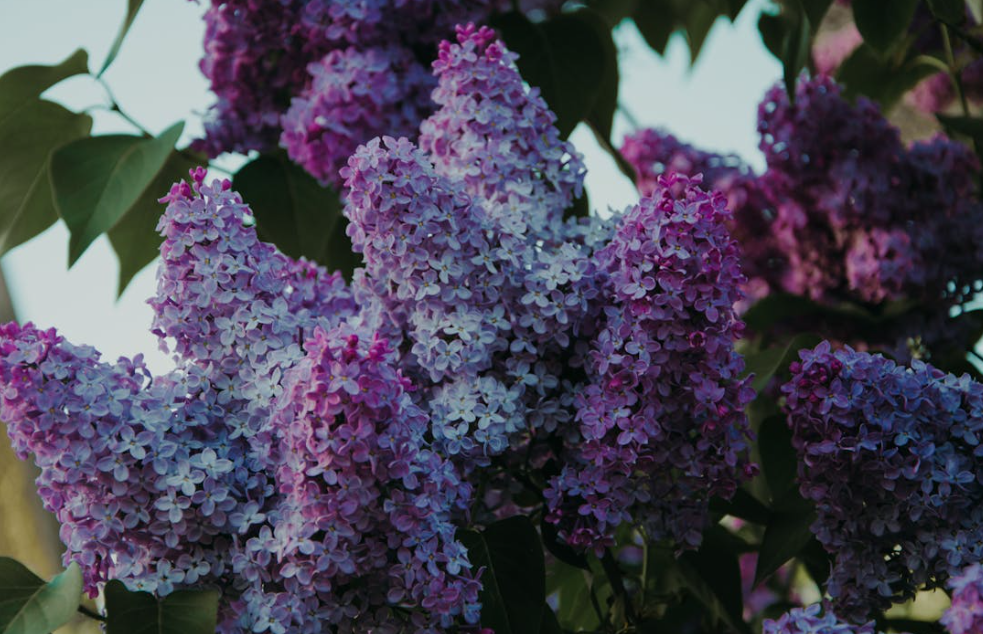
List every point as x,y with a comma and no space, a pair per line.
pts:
965,615
468,256
662,415
808,620
367,507
320,77
890,456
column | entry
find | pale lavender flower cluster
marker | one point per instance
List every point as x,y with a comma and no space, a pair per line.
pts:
461,238
808,620
965,615
661,417
320,77
891,457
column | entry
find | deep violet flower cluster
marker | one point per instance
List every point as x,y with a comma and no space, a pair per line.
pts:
320,77
661,365
808,620
965,615
890,455
318,445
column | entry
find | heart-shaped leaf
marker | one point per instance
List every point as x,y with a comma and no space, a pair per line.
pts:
97,180
181,612
28,605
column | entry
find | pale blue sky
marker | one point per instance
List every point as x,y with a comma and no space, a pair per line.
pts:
156,79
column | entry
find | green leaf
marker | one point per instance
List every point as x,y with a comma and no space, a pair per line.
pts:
132,8
880,78
296,213
744,506
948,11
24,84
601,114
796,47
771,361
698,19
134,237
181,612
785,537
816,10
883,22
772,29
28,605
548,623
778,459
656,20
513,583
713,575
572,590
566,58
28,135
97,180
970,126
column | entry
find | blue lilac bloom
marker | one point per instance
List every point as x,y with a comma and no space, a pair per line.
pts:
808,620
890,456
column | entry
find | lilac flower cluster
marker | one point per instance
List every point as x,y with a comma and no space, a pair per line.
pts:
461,241
320,77
662,414
843,211
965,615
808,620
891,457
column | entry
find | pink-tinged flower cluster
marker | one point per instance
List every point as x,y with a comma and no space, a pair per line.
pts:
662,414
891,457
808,620
367,507
965,615
320,77
353,93
843,212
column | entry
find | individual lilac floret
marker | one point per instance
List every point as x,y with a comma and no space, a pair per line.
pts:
498,137
965,615
352,95
366,519
661,418
891,458
808,620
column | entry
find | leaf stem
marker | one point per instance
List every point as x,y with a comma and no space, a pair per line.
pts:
617,580
957,81
114,107
92,615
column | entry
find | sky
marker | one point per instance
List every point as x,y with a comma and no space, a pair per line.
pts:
156,80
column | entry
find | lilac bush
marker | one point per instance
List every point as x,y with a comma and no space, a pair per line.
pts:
319,445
